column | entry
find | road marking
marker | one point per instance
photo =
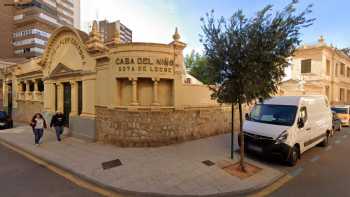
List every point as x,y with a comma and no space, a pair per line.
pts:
337,141
329,147
296,172
70,177
345,136
315,158
273,187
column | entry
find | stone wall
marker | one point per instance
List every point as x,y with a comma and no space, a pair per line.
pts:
26,109
156,128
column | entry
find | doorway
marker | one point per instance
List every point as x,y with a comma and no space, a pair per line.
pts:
66,102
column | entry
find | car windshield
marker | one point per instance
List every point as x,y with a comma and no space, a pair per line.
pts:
340,110
274,114
3,114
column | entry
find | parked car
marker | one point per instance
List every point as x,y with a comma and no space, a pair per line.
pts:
343,112
5,120
287,126
337,124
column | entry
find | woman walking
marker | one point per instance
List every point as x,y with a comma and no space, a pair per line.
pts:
39,124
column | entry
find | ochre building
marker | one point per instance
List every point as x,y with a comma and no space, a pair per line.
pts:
319,69
128,94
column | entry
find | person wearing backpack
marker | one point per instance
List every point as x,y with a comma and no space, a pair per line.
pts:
58,120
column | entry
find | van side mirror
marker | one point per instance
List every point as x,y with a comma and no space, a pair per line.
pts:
247,117
300,123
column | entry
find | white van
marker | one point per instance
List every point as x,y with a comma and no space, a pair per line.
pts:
288,125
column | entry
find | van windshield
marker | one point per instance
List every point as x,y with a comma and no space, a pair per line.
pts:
340,110
274,114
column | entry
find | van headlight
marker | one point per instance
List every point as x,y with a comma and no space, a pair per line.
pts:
282,137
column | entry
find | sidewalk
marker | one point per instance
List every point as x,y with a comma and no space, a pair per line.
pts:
170,170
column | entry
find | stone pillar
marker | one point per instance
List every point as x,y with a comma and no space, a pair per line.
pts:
60,97
89,93
4,93
74,98
134,91
19,91
36,90
155,91
36,85
47,96
28,94
27,82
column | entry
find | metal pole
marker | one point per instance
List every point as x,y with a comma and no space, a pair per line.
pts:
232,129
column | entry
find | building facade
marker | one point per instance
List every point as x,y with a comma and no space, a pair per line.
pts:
128,94
319,69
7,28
109,29
29,24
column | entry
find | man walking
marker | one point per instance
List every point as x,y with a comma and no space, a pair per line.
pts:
58,122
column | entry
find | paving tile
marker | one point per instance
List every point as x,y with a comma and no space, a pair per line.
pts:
175,169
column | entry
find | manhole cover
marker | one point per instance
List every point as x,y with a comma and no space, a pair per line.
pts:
208,163
111,164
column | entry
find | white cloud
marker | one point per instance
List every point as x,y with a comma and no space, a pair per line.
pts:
150,21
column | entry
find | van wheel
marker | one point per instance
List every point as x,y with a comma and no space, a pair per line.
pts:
293,156
324,143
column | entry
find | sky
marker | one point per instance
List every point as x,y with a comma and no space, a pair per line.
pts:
155,20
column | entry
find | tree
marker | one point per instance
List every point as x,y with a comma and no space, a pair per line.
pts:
196,64
247,56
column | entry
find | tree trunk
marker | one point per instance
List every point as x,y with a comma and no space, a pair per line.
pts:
241,161
232,129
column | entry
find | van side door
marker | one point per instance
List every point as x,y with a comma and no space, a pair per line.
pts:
304,133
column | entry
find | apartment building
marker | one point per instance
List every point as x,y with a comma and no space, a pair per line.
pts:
108,31
319,69
31,23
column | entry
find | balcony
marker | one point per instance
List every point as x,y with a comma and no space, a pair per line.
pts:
29,96
21,96
38,96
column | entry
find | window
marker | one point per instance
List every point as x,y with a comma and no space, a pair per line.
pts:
274,114
341,94
336,70
342,69
347,72
348,96
303,114
327,91
41,86
328,67
306,66
31,86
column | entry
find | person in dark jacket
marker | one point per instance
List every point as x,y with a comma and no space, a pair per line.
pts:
38,124
58,120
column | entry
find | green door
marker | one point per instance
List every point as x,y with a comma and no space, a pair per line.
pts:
66,101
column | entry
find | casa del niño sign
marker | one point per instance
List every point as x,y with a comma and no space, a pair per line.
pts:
145,64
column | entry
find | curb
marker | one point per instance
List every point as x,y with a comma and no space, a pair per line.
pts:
106,190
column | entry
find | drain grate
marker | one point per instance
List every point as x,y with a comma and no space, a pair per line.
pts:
208,163
111,164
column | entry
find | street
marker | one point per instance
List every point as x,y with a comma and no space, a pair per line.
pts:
321,171
21,177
